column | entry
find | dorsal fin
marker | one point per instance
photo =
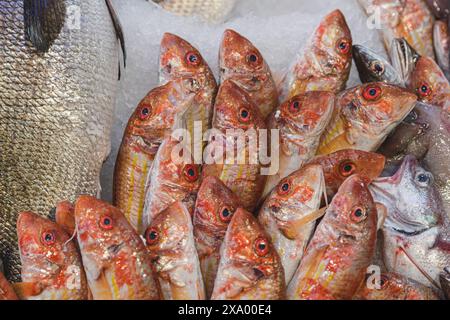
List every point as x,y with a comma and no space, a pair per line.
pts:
44,20
119,31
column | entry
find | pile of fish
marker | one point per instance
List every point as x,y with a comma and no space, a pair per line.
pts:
359,207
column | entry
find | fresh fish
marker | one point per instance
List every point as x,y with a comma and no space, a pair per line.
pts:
340,165
441,37
394,286
411,19
170,241
424,134
58,82
51,263
372,67
180,60
242,62
171,179
342,247
440,8
414,232
215,11
65,216
301,122
364,116
250,268
6,290
151,122
324,63
234,111
289,214
117,263
214,209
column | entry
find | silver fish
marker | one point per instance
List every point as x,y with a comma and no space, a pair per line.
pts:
57,85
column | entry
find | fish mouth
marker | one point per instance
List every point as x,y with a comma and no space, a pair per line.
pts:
403,57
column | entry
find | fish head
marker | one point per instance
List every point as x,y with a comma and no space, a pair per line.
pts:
372,67
247,249
306,114
169,232
41,242
241,59
234,109
428,81
297,195
215,207
332,44
403,57
179,59
352,212
410,198
340,165
373,110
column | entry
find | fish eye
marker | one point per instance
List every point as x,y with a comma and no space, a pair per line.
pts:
424,90
48,238
193,58
284,188
106,223
226,214
151,236
343,46
294,107
423,179
372,92
244,114
377,67
358,214
191,173
144,112
347,168
261,246
253,58
383,281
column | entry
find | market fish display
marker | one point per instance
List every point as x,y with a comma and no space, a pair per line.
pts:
415,242
342,247
325,61
174,177
301,121
116,261
235,111
6,290
51,263
170,241
151,122
364,116
250,268
394,286
411,19
425,134
340,165
290,212
372,67
242,62
66,99
214,209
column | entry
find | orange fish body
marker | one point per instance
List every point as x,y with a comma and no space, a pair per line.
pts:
170,241
243,63
341,249
117,264
364,116
214,209
51,263
234,111
250,268
325,61
6,290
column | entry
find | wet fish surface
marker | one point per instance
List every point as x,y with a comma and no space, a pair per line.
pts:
58,84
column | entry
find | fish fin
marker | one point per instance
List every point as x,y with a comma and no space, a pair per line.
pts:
382,214
64,216
119,32
340,142
24,290
44,20
291,229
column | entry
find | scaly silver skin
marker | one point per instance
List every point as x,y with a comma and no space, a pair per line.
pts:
56,112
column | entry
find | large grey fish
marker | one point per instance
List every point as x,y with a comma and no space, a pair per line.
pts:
58,78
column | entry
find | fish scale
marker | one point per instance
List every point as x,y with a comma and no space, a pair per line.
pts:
56,111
